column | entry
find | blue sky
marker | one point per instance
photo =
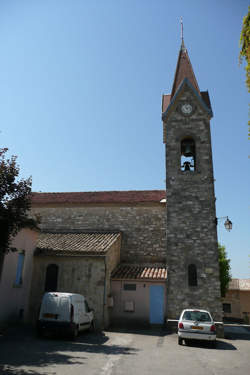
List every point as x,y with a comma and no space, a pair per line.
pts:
80,99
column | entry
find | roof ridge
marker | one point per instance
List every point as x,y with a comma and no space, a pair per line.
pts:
80,231
118,196
96,191
149,265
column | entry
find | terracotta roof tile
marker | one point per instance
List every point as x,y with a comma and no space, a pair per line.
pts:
133,196
239,284
165,102
206,99
139,272
75,243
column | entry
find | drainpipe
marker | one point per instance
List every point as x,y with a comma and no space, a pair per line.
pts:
104,290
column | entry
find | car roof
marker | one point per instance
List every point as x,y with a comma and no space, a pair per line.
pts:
62,294
196,310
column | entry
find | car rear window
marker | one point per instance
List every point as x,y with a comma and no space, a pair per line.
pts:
199,316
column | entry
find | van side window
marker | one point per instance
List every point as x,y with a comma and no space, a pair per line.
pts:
51,278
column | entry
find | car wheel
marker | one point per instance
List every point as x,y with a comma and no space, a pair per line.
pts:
180,341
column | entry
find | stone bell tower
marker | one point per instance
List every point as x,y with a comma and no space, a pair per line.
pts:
192,246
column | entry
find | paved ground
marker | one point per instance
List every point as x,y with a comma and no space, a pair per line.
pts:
123,353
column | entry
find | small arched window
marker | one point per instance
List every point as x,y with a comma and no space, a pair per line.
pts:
192,275
188,154
51,278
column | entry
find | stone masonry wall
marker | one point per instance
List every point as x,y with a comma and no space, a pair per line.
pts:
89,276
191,228
143,227
112,260
76,275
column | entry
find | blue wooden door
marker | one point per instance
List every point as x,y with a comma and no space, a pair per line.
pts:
156,304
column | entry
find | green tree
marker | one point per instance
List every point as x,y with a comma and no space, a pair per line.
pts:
245,45
15,202
225,269
245,51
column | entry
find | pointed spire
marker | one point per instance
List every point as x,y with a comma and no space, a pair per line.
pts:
183,68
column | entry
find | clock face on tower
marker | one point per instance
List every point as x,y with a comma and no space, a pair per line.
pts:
186,108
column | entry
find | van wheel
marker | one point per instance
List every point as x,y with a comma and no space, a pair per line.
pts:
92,326
179,341
75,332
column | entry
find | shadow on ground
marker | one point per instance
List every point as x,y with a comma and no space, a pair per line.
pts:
237,332
13,371
148,331
220,345
21,348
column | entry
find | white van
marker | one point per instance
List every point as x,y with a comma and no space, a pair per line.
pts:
65,313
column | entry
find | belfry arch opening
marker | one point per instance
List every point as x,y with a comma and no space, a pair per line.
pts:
51,278
188,154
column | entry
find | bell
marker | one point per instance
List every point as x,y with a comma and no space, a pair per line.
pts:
187,149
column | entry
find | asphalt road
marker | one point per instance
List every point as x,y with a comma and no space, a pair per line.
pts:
140,352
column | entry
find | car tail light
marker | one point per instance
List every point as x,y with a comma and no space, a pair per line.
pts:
71,313
181,326
213,328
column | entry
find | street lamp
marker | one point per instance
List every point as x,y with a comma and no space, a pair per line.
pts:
228,224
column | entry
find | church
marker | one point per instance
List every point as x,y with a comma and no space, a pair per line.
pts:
139,257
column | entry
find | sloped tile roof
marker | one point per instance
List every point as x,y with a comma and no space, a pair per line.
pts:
139,272
206,99
239,284
69,244
165,102
132,196
184,70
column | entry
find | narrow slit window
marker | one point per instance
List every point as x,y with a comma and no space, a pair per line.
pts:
188,155
19,271
192,275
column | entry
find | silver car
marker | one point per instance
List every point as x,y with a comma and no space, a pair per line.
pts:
196,325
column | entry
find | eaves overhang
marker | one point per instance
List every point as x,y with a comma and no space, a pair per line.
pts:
181,87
